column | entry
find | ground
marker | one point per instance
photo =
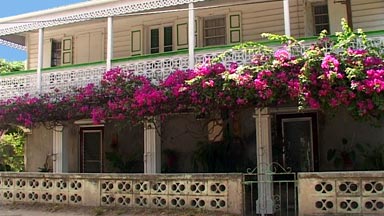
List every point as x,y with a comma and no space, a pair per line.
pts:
66,210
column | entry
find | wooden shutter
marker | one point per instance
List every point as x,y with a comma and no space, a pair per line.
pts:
234,33
47,53
96,42
197,32
181,34
82,48
66,51
137,41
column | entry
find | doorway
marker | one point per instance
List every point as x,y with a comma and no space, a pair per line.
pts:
297,146
91,150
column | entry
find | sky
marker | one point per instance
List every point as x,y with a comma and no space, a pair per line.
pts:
16,7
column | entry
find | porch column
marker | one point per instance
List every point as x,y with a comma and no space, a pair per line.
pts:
191,35
110,43
40,58
152,146
264,203
59,154
287,22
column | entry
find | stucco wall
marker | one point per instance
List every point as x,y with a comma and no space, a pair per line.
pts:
126,142
332,129
71,140
38,146
185,144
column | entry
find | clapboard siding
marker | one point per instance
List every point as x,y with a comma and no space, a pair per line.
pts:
368,14
257,18
58,33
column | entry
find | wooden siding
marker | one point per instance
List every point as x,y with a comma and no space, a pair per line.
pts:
256,18
59,33
368,14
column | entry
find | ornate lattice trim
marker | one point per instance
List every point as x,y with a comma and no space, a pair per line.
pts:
12,45
107,10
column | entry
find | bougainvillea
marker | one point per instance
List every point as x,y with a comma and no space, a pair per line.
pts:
347,71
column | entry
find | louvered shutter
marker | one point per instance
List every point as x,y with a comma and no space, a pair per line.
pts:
234,33
66,51
137,41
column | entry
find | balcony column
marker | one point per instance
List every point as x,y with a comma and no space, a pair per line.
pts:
59,154
152,146
287,22
110,43
40,58
191,35
264,203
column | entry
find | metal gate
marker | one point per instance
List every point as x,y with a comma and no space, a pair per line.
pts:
273,192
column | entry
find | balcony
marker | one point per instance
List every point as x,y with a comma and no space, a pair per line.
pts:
156,67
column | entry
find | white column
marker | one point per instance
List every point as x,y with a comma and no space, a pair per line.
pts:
152,146
287,22
40,58
191,35
110,43
59,154
264,203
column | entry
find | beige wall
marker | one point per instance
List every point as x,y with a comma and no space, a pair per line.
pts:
73,30
179,137
256,18
368,14
38,147
333,128
129,146
336,11
183,136
126,142
71,140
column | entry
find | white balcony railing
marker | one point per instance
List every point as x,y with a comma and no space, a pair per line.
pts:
64,78
156,67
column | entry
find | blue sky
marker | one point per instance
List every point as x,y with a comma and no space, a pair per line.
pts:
15,7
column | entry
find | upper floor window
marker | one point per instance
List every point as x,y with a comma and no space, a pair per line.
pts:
56,53
214,31
320,17
161,39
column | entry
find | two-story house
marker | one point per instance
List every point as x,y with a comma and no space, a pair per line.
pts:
74,45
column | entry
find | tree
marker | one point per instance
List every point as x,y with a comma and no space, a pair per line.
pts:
6,67
11,141
12,150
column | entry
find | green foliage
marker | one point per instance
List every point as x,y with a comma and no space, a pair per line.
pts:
373,156
7,67
12,151
123,164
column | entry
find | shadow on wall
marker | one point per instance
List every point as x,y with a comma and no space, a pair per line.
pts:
357,156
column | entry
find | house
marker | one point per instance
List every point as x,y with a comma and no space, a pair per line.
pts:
74,45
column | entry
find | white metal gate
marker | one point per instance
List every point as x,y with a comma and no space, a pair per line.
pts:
273,192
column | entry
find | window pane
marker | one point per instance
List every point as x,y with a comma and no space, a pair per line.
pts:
214,31
56,53
154,40
167,39
320,17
